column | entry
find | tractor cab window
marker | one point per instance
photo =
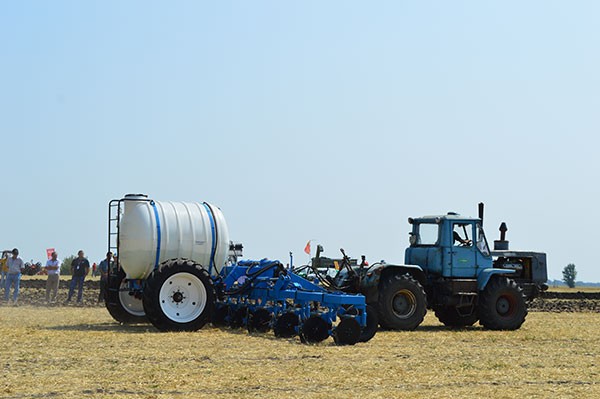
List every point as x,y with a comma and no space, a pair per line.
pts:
482,244
426,234
460,234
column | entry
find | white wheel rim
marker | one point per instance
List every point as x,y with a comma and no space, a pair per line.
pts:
182,297
130,303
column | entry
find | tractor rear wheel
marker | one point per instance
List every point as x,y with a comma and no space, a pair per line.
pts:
124,308
402,302
179,296
502,305
449,316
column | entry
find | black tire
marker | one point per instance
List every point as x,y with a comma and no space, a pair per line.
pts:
220,316
259,320
449,316
117,303
179,296
286,324
239,317
370,329
314,329
347,332
502,305
402,302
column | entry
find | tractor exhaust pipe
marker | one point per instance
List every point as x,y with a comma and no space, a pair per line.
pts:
502,243
481,212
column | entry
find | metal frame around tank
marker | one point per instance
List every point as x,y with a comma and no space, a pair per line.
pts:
114,223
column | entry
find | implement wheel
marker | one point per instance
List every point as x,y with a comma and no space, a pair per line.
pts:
286,324
239,316
502,305
370,329
402,302
179,296
347,332
124,308
259,320
220,316
314,329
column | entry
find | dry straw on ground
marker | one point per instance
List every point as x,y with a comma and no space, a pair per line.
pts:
82,353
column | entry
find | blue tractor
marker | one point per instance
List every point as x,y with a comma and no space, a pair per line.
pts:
450,269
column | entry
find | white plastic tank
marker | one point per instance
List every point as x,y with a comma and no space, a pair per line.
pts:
151,232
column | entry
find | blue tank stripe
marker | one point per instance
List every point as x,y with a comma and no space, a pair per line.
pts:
157,235
212,230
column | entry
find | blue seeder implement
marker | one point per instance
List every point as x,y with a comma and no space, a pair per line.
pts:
263,295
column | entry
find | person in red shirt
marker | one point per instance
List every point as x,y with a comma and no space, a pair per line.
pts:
363,261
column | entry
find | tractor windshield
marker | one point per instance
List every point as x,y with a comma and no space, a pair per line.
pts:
482,244
460,234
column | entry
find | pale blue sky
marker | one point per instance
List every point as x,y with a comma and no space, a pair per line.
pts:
333,121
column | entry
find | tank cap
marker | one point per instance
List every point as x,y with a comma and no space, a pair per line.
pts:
136,195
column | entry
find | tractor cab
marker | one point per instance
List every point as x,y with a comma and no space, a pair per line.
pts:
449,245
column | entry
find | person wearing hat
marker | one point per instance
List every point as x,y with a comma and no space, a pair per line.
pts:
13,278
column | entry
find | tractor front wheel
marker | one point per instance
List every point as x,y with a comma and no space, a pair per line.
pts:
502,305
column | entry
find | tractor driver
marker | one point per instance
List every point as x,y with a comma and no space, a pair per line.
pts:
457,237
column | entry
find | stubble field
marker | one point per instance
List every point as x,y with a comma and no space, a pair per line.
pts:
80,352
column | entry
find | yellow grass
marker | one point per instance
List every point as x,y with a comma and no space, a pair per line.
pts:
82,353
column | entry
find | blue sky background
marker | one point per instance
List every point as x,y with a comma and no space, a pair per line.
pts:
332,121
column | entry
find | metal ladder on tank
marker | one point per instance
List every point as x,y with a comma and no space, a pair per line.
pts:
114,213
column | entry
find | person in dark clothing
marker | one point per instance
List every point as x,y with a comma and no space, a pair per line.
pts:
363,261
103,269
457,237
79,269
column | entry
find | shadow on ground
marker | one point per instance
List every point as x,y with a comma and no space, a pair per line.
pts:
114,327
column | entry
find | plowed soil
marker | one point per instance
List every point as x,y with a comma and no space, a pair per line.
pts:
33,292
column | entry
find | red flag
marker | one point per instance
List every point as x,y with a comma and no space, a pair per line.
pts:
307,248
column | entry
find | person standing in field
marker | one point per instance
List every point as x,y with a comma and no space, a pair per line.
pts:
103,269
53,270
4,267
79,269
13,277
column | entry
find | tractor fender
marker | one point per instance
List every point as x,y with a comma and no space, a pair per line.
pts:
376,273
486,274
370,282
